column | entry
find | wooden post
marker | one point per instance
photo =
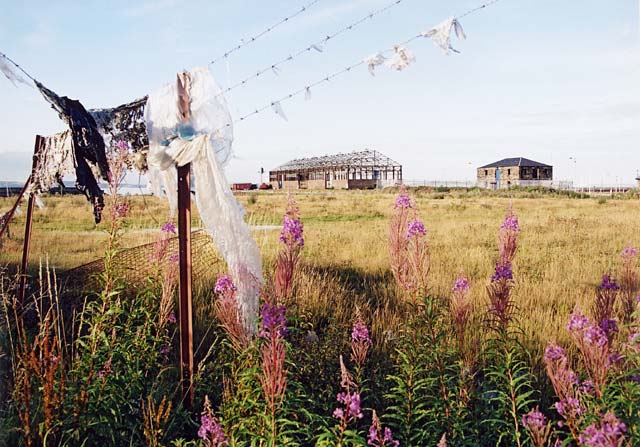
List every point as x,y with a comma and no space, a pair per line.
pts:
184,239
27,226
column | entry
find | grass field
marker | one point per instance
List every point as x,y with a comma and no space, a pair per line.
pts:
566,244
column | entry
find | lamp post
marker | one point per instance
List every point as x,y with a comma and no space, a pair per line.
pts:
575,170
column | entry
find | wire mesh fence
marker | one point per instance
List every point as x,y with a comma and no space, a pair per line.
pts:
136,264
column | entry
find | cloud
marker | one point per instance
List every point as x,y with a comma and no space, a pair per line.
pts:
149,8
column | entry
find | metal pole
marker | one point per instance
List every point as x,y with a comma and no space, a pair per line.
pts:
9,215
185,309
27,227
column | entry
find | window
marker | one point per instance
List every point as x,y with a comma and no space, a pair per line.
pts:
508,171
486,172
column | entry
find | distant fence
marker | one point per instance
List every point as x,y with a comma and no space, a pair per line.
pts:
440,183
564,185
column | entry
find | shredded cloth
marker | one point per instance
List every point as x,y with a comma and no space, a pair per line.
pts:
373,61
125,123
88,146
205,142
401,58
441,34
55,159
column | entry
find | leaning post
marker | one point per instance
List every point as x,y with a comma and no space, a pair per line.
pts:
28,225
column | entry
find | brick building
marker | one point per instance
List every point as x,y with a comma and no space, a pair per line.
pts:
518,171
356,170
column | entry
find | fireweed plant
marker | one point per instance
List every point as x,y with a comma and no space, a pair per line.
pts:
507,382
453,372
92,374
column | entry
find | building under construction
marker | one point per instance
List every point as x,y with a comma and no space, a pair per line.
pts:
356,170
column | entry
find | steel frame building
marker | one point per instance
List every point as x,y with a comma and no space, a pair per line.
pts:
367,169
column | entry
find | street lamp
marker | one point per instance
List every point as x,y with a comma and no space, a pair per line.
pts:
575,170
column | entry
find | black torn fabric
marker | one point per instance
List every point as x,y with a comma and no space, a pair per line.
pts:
88,146
124,123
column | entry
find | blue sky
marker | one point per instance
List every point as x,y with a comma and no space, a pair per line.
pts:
543,79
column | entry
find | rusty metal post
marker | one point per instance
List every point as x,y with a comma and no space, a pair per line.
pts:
185,309
184,240
27,226
9,215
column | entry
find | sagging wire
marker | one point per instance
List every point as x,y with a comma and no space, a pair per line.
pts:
317,46
250,40
306,89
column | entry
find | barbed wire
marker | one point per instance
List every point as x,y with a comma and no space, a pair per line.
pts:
17,66
317,45
250,40
347,69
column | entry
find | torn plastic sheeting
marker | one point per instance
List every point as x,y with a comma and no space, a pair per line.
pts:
207,152
441,34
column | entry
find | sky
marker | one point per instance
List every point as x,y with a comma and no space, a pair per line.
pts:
550,80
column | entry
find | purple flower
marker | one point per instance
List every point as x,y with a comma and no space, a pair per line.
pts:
169,228
210,429
164,350
461,285
174,258
609,325
569,407
554,352
510,223
224,284
534,420
595,336
609,434
502,272
388,438
577,322
629,253
587,387
403,201
292,231
373,435
351,403
609,283
338,413
634,337
353,406
360,333
172,317
120,210
274,320
416,228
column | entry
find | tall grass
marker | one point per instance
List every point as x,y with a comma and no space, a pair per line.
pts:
438,367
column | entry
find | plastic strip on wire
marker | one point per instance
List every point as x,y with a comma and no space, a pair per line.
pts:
317,46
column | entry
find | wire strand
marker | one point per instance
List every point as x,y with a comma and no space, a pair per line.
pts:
250,40
347,69
312,46
17,66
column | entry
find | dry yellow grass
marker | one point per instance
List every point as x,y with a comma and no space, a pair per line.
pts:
565,246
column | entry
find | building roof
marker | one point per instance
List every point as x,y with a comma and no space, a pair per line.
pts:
517,161
365,158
